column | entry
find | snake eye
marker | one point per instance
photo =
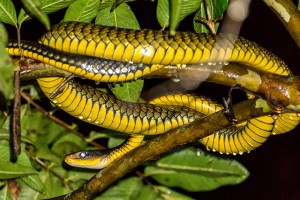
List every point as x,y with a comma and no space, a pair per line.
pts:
83,154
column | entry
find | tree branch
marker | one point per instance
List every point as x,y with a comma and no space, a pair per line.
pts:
162,144
280,90
288,14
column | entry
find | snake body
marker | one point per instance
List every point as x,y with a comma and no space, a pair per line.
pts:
102,109
159,47
116,49
243,137
97,69
156,117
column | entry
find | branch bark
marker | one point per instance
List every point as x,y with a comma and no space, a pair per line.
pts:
288,14
280,90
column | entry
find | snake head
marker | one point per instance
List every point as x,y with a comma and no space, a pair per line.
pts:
92,159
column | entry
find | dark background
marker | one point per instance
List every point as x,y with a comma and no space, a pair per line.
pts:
275,166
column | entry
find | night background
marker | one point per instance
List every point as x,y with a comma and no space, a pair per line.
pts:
274,167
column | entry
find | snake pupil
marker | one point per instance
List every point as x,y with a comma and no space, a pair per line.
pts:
83,154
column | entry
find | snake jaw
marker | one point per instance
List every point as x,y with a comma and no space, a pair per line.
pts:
93,159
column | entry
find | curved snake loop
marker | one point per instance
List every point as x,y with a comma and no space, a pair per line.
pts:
129,54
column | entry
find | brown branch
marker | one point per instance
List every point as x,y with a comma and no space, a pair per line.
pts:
288,14
32,69
160,145
16,124
281,90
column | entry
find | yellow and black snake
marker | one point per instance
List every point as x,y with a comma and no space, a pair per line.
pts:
129,54
159,47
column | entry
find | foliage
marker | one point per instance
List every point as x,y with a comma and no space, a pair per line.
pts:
39,170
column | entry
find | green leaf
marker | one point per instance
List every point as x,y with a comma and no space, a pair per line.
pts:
34,7
131,188
32,194
187,170
220,6
200,27
82,11
163,13
77,175
35,91
147,193
129,91
6,70
5,135
119,2
116,141
42,130
34,182
3,114
5,193
68,143
50,6
216,9
121,17
106,4
168,194
125,189
112,4
23,158
47,6
10,170
46,154
24,109
8,12
95,135
180,9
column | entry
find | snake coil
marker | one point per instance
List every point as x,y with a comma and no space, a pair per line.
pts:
110,54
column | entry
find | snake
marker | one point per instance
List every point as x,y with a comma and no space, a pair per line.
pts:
111,54
159,47
97,69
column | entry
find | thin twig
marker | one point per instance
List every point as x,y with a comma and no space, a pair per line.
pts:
16,123
16,131
210,21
